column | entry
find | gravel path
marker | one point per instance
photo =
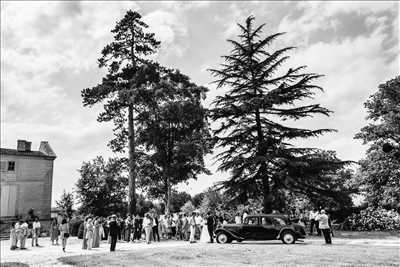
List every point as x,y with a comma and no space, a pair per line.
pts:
47,254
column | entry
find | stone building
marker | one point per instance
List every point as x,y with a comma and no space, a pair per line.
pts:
26,180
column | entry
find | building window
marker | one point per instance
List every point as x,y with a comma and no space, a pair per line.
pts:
3,166
11,166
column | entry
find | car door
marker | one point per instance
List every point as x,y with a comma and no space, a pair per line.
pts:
251,228
269,228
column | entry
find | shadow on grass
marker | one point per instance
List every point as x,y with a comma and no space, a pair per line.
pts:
368,235
267,243
13,264
68,261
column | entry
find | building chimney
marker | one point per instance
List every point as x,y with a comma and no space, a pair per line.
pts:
28,146
24,146
46,149
21,145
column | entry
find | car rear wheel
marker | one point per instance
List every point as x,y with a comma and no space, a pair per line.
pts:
288,237
223,238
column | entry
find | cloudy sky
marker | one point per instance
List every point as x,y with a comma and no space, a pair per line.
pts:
49,52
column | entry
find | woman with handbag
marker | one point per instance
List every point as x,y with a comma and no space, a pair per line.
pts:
64,230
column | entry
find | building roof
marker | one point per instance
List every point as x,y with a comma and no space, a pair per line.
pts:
14,152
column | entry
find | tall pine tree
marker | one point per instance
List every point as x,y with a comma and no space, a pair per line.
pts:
251,120
128,71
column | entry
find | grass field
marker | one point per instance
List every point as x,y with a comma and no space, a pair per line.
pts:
351,251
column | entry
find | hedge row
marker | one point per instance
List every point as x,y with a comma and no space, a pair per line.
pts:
375,220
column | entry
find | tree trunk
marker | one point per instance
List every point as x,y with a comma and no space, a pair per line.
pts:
131,132
132,173
267,197
262,174
168,204
170,145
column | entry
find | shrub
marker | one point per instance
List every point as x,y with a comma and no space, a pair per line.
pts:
375,220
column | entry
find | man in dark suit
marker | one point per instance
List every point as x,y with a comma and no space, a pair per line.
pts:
210,226
114,229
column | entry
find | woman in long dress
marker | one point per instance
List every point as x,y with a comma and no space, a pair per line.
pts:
169,226
84,243
204,237
54,232
96,233
89,233
101,230
192,224
147,225
128,228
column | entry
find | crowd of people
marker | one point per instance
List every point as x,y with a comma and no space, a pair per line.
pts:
152,227
20,231
149,228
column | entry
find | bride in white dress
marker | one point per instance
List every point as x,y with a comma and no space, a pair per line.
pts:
204,237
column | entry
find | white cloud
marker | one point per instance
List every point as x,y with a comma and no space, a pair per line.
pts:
169,29
165,25
318,15
353,69
235,14
40,39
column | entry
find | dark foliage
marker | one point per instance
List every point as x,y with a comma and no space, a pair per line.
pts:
380,170
174,131
101,189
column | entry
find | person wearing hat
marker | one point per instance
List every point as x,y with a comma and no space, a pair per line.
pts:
113,228
324,226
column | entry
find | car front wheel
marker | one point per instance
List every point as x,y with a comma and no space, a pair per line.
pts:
223,238
288,237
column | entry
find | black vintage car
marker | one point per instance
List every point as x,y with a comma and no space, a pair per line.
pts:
262,227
